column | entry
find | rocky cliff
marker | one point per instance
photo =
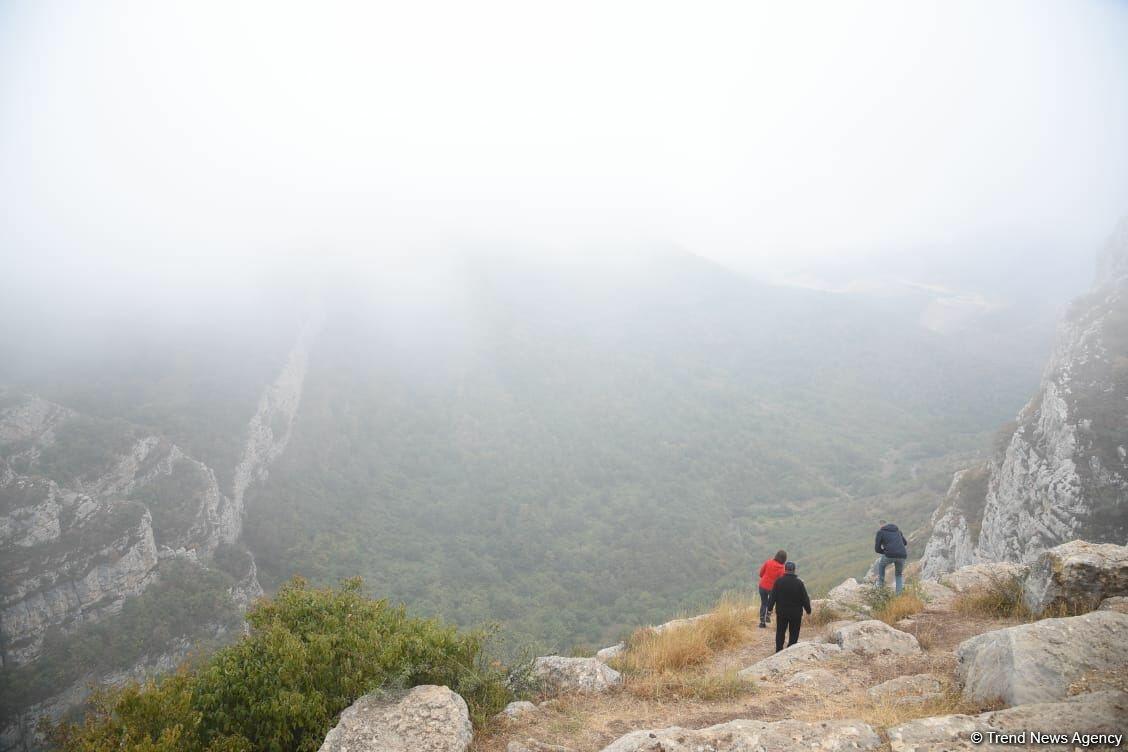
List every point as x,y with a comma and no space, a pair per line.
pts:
90,509
1061,472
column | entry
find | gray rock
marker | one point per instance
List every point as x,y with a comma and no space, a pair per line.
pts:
517,709
557,674
907,689
981,576
1037,662
611,653
849,599
818,681
750,736
875,637
937,597
427,719
532,745
1076,574
1095,713
799,656
1116,603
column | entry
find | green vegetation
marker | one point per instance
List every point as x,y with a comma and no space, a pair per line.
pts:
310,654
1000,598
85,447
173,499
187,602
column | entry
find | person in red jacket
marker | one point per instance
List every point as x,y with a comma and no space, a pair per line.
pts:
769,573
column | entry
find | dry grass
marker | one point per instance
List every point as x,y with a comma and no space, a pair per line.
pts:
1001,598
701,685
674,662
690,645
899,607
821,616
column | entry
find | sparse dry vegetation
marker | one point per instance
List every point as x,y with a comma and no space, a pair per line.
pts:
1000,599
891,608
672,662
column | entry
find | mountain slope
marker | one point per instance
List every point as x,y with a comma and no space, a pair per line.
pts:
1062,471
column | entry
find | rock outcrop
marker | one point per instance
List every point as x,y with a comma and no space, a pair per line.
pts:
873,637
738,736
1076,575
799,656
983,576
556,674
1037,662
1061,473
1095,713
914,689
427,719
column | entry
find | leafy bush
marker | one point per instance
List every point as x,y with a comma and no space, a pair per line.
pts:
310,654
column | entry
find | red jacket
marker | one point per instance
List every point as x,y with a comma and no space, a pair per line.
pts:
769,573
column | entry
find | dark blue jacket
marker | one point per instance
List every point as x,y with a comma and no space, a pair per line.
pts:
890,542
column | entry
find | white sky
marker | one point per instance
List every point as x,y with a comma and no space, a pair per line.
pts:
775,137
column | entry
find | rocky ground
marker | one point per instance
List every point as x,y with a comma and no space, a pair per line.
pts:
932,681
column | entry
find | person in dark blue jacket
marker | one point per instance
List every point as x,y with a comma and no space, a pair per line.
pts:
894,549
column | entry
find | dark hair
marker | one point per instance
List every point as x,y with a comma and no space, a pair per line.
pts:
781,556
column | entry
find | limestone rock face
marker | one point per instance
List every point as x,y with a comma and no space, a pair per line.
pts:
1076,573
1037,662
1062,472
799,656
875,637
427,719
981,576
907,689
818,681
560,675
745,736
1094,713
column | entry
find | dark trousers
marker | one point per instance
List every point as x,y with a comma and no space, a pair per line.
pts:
787,622
765,601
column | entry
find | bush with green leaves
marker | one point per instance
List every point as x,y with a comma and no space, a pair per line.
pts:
309,655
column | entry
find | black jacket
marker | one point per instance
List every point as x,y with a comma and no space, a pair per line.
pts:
890,542
789,595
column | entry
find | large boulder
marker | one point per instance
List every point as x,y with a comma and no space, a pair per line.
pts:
1096,713
745,736
916,688
1076,575
1037,662
556,674
799,656
873,637
849,600
427,719
982,576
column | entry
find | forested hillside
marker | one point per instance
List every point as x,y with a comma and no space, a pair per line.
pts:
573,450
568,448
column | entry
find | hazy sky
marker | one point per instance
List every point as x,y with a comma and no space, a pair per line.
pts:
776,137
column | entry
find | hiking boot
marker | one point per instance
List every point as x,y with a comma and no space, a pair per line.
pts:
763,625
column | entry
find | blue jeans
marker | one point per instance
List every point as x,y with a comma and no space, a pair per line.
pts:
898,568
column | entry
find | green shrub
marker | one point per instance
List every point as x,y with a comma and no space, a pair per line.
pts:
309,655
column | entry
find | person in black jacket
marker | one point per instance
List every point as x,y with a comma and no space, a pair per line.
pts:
789,600
893,547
